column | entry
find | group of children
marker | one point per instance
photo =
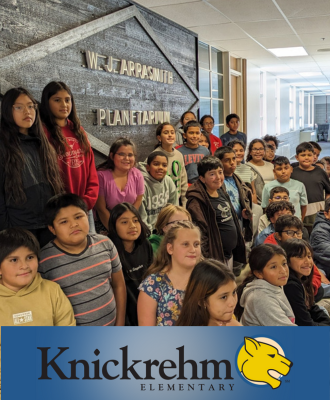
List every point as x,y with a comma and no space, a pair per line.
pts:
159,242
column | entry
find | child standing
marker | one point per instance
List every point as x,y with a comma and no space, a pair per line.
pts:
74,153
207,124
191,150
87,267
165,135
269,273
212,282
23,291
232,122
277,193
315,180
29,174
185,117
159,188
129,235
162,292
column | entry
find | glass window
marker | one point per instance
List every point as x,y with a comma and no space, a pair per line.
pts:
216,60
217,85
203,55
204,83
217,111
204,107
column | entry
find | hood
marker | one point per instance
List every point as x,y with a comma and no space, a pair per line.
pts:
263,286
197,190
5,292
320,218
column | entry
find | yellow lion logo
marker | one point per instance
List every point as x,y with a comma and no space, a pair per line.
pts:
256,359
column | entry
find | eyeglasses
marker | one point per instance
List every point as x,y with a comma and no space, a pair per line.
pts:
278,198
258,150
292,233
124,155
208,123
21,108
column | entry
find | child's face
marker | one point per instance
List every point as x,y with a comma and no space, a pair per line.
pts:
305,159
233,125
213,179
192,136
128,227
240,152
167,135
279,197
60,105
320,165
185,250
24,113
158,168
270,154
175,217
222,303
124,158
289,232
203,141
302,266
278,214
19,269
208,125
275,272
229,163
188,117
283,172
316,155
70,226
257,151
327,168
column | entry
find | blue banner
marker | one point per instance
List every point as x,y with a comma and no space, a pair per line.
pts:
146,363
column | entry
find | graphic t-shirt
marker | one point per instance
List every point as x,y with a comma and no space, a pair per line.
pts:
233,193
191,158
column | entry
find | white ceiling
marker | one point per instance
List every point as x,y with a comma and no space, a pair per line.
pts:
247,28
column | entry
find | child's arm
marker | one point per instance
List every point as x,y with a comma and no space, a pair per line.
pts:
184,185
119,290
303,212
146,309
265,197
139,189
63,312
138,201
173,193
92,184
254,193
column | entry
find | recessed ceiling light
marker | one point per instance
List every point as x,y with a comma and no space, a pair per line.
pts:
289,52
310,73
320,84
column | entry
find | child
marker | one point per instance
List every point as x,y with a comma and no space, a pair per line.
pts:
255,159
239,194
299,289
205,140
29,174
327,165
277,193
273,212
185,117
270,153
212,282
176,170
119,182
162,292
87,267
315,180
169,215
159,188
273,141
317,151
211,209
74,153
297,191
26,298
269,273
207,124
129,235
232,122
322,164
191,150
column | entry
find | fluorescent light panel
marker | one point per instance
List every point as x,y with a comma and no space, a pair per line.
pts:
310,73
289,51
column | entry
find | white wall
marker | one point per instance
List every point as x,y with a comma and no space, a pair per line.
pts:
284,104
253,101
270,105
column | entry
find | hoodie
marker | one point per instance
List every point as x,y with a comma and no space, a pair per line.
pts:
320,238
156,195
42,303
265,305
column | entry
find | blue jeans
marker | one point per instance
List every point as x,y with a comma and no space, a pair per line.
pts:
91,222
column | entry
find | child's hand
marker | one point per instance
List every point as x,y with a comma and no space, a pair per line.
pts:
324,279
246,214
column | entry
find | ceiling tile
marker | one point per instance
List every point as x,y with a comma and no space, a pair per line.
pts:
304,8
267,28
237,44
253,53
311,25
280,41
218,32
315,39
155,3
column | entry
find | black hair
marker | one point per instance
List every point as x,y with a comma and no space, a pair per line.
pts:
190,124
270,146
207,137
298,248
155,154
251,144
321,162
201,121
116,213
288,220
259,257
56,203
230,116
116,145
327,205
208,163
221,151
278,189
13,238
281,160
268,138
276,206
304,146
326,159
159,131
187,112
236,141
315,145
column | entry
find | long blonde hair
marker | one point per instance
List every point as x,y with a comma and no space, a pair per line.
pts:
165,215
163,260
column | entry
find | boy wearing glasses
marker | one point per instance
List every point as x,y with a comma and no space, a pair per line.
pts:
297,191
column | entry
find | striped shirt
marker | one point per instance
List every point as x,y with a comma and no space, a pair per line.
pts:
85,278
